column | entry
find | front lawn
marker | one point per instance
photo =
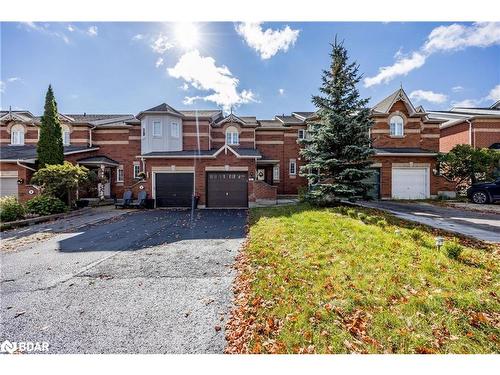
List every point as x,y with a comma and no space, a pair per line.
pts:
320,280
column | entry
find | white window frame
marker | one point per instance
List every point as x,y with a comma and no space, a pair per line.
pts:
137,170
293,163
301,134
66,133
276,172
17,135
120,176
232,136
399,128
160,129
175,130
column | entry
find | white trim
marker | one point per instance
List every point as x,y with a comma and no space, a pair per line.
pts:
9,174
153,122
224,169
294,162
406,154
276,171
120,168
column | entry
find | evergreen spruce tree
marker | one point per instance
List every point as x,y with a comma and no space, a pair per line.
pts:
50,148
337,147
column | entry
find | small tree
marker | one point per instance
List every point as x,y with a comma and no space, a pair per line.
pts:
467,165
337,149
50,149
59,180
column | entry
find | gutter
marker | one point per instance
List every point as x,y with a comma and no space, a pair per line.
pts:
18,162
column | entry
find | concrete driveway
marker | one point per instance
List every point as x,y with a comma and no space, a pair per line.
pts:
143,282
480,225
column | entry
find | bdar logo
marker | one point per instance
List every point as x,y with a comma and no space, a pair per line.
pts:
8,347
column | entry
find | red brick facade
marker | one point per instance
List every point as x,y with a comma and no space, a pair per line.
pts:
274,142
479,133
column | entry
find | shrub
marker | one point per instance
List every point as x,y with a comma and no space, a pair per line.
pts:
382,223
453,249
45,205
11,209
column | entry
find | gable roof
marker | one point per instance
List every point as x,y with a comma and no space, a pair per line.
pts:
163,109
243,121
28,152
386,104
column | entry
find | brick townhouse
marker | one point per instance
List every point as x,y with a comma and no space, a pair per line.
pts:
227,160
478,127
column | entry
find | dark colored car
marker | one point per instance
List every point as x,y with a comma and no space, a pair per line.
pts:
485,192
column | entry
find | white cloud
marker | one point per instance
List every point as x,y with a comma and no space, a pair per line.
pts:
403,66
441,39
159,62
45,29
457,88
92,31
203,74
161,44
138,37
184,87
269,42
466,103
281,91
494,93
13,79
70,28
428,96
2,86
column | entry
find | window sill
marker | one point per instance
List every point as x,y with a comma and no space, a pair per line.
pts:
119,183
397,136
293,176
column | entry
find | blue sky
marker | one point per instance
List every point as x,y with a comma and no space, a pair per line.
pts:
260,69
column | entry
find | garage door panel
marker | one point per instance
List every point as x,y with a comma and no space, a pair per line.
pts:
410,183
173,189
8,186
227,189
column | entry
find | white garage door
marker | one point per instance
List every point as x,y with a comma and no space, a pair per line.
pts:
8,186
410,183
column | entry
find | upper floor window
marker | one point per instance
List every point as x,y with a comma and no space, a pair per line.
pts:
175,130
65,135
157,128
301,134
232,136
17,135
397,126
143,131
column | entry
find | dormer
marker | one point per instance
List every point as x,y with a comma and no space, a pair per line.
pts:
161,129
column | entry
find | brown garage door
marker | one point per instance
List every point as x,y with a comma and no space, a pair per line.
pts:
227,189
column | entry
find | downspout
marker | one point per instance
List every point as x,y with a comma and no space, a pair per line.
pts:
470,133
90,134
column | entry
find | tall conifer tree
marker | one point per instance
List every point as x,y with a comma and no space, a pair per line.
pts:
337,147
50,148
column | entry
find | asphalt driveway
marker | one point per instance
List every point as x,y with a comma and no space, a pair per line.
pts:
143,282
484,226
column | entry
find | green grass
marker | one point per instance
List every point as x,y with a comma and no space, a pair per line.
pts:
323,281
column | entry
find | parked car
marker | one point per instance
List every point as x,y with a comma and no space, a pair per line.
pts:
484,192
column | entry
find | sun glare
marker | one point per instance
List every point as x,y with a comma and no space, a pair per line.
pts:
186,35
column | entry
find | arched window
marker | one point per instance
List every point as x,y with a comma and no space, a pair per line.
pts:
66,135
17,135
232,136
397,126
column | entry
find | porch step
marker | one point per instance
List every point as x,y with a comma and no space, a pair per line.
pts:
96,202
